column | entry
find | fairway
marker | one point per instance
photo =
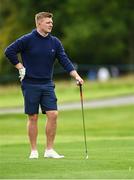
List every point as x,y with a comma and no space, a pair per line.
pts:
110,139
122,86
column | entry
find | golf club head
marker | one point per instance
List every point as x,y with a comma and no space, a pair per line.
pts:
87,156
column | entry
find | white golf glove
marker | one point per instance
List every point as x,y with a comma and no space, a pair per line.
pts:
22,73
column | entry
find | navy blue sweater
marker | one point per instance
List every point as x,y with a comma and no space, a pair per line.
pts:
38,55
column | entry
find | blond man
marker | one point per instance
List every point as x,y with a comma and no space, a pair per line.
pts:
38,51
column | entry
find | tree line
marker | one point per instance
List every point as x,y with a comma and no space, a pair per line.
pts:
92,31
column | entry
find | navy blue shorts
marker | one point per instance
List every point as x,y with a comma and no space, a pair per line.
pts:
39,95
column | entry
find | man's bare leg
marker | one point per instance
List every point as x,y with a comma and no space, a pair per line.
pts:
51,127
33,133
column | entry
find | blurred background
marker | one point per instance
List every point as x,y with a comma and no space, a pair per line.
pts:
94,33
98,36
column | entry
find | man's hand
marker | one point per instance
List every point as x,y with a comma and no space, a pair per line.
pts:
22,72
79,80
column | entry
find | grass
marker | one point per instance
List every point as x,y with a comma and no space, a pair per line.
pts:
11,96
110,138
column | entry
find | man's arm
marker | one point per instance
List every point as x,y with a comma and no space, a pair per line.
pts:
13,49
66,63
62,57
11,53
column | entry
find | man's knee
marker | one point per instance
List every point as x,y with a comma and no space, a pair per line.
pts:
52,114
33,117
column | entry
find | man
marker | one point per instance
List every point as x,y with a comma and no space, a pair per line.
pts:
38,50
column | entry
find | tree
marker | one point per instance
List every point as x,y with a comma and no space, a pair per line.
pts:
100,31
92,31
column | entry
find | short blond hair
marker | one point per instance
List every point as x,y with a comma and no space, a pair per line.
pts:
42,15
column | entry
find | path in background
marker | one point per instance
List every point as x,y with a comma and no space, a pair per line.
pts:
116,101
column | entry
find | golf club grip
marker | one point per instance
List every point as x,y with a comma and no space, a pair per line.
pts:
81,91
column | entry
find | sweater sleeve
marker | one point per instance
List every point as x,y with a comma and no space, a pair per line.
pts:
13,49
63,58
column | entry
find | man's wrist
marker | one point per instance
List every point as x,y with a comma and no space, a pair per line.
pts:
19,66
74,73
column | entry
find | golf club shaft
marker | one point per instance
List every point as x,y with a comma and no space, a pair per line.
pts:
84,129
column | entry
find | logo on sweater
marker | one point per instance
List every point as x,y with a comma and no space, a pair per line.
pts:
53,50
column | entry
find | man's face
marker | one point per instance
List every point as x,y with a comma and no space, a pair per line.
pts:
46,25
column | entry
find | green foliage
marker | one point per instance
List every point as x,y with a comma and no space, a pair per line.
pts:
92,31
99,29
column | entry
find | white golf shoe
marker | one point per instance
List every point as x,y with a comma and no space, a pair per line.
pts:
34,154
52,154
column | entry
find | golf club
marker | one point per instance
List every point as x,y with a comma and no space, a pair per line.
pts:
84,129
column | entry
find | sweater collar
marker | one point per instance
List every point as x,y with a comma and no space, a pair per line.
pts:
39,35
